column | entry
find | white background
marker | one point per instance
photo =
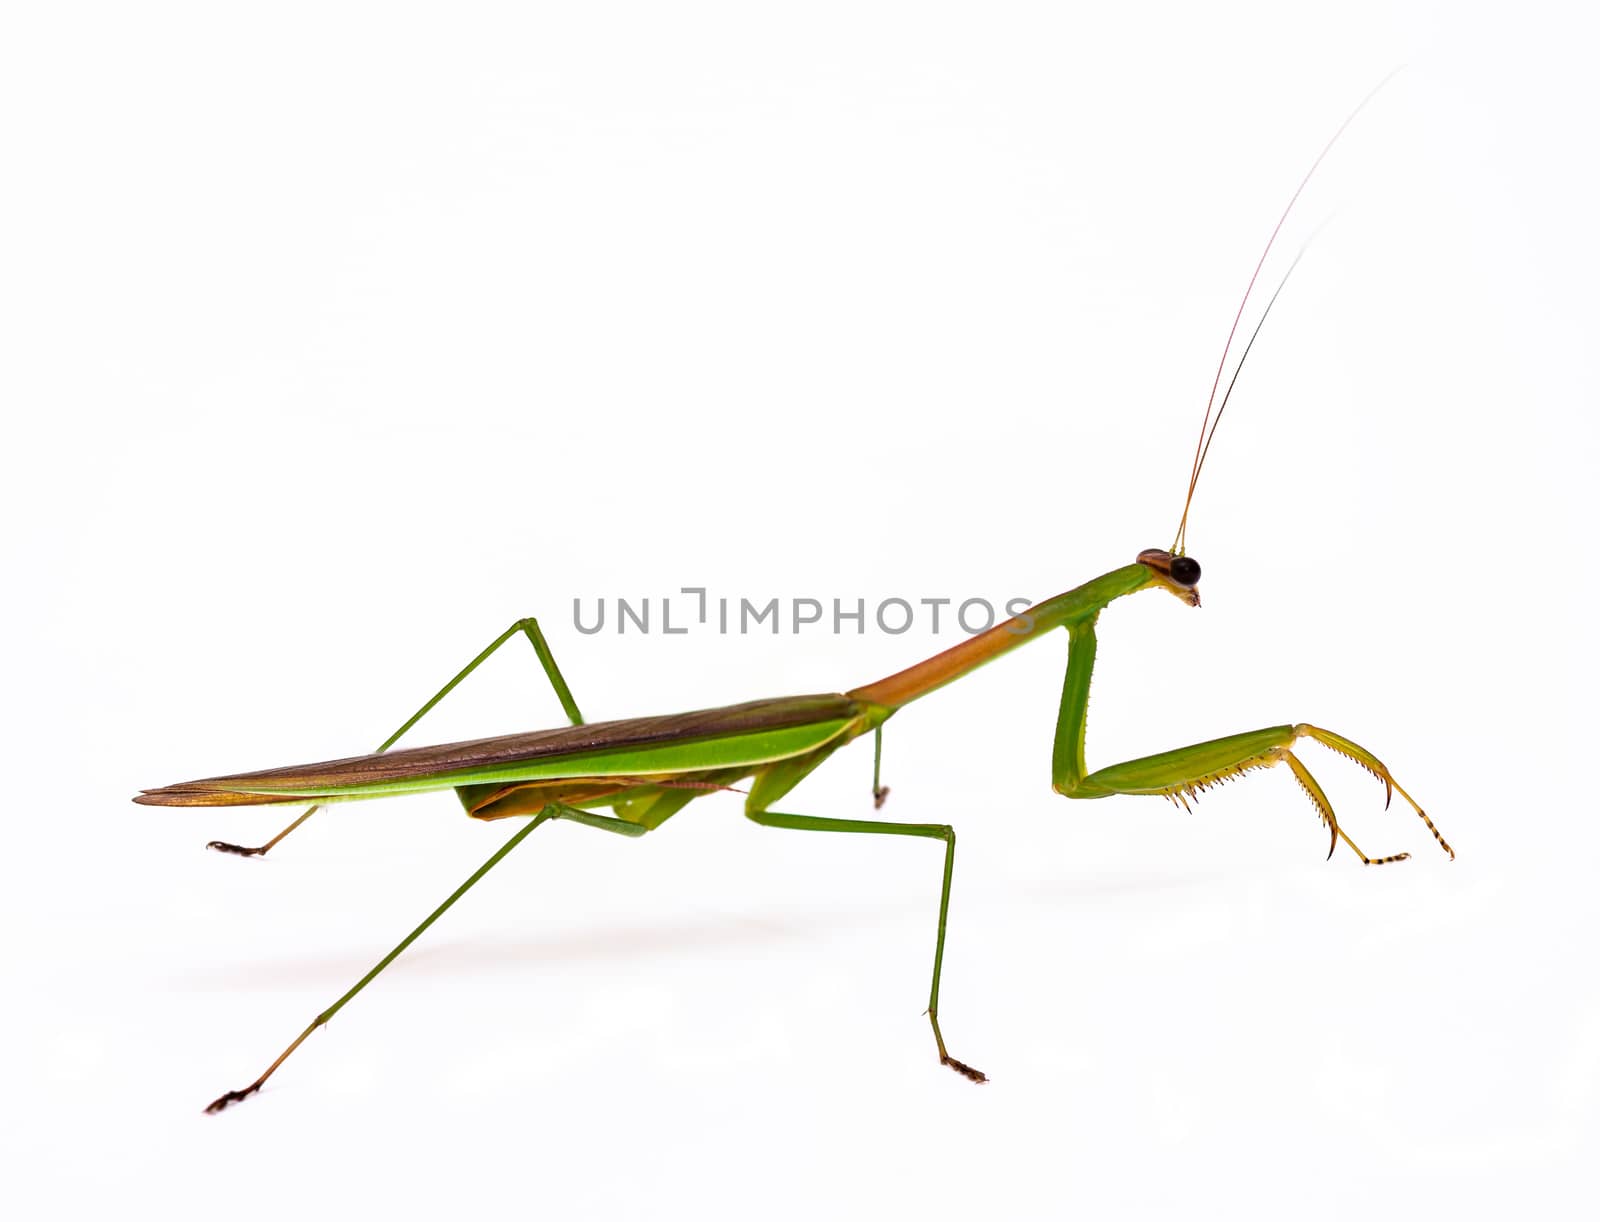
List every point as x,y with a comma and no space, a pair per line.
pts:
337,337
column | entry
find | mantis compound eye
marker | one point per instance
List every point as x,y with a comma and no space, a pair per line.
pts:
1185,572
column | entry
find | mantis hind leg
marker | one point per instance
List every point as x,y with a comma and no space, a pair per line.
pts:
931,831
555,810
528,627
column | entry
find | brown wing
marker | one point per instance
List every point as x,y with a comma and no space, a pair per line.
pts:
746,718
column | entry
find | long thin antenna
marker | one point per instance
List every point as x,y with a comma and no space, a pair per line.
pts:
1202,444
1243,355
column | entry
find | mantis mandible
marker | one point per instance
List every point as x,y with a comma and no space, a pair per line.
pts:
644,770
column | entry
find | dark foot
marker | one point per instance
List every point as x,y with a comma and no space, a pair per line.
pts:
880,795
965,1070
222,846
1383,861
233,1096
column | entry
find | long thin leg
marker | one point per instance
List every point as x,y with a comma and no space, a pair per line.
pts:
1181,774
931,831
234,1096
604,823
556,810
880,791
530,628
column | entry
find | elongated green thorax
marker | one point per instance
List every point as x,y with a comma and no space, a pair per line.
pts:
1080,605
679,754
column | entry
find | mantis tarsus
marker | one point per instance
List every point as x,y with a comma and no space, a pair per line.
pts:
644,770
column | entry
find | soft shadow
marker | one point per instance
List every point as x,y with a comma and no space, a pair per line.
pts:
610,942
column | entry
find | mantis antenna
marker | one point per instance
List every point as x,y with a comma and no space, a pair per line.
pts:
1203,445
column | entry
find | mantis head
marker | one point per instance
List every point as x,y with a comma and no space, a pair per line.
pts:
1180,575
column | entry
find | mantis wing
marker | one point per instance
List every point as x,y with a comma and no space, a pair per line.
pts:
756,732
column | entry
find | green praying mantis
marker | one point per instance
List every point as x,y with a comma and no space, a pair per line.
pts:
644,770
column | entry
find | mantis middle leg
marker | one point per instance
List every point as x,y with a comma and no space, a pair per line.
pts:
783,776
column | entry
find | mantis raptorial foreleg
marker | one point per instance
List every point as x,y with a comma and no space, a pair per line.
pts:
528,627
931,831
1181,774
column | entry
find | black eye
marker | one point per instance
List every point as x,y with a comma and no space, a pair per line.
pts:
1185,572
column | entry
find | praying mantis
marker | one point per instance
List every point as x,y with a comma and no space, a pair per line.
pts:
644,770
